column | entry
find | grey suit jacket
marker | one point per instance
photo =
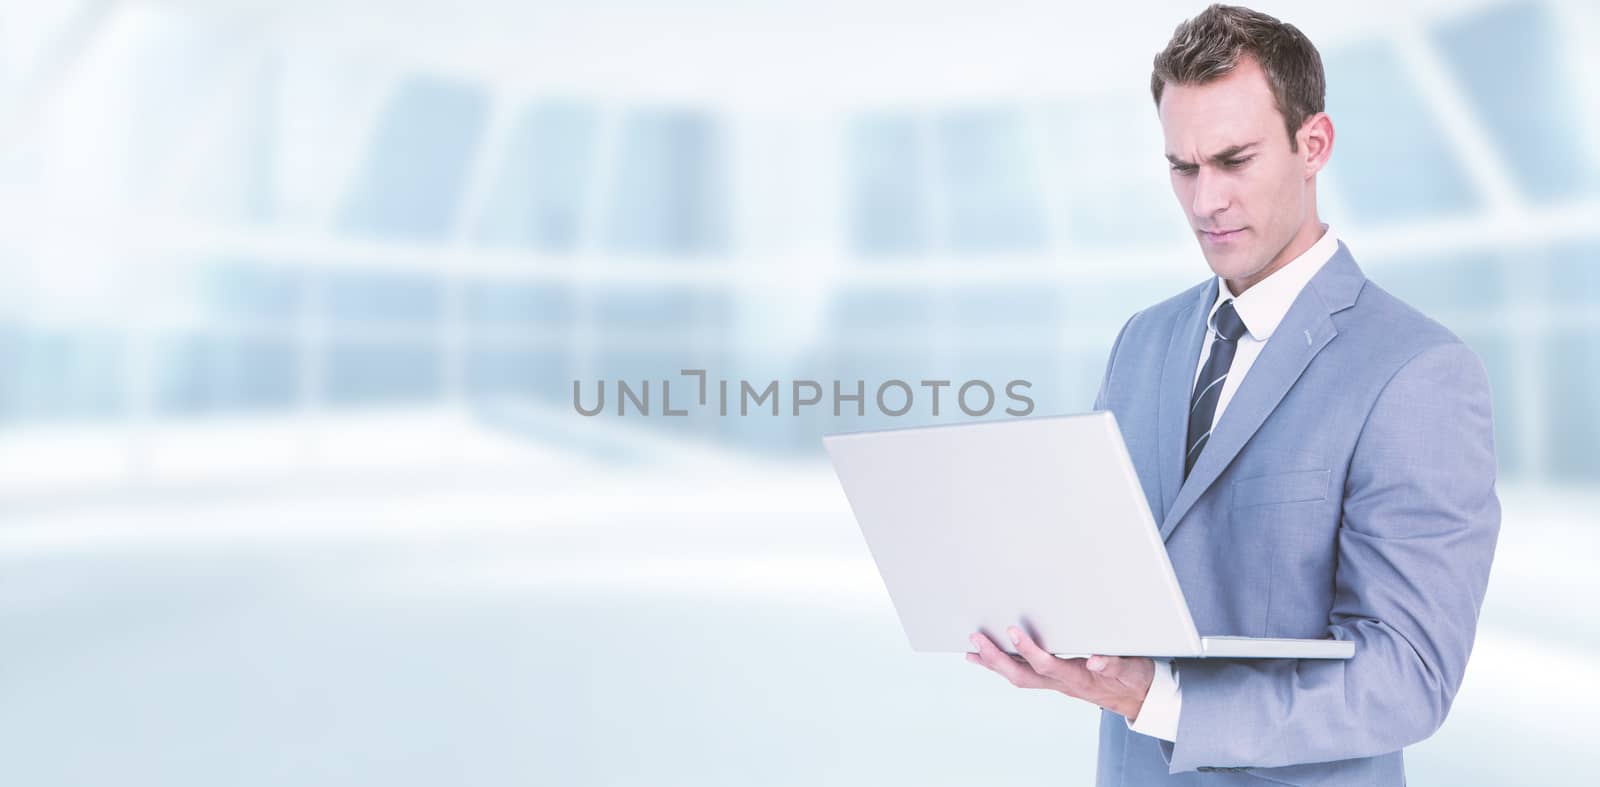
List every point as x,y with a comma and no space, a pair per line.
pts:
1348,491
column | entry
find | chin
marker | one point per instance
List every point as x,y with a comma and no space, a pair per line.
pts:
1232,267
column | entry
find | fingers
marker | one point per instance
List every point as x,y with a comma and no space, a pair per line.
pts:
990,655
1091,679
1067,676
1045,664
1133,673
1105,666
1113,682
1127,670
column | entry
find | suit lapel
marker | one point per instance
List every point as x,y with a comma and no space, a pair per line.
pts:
1177,378
1305,330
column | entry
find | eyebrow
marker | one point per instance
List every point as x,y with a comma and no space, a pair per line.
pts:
1226,153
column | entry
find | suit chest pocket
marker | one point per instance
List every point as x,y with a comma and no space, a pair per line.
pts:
1289,523
1294,487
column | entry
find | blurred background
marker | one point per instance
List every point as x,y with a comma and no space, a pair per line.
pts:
293,294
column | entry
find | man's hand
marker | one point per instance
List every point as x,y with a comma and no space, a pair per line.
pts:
1116,683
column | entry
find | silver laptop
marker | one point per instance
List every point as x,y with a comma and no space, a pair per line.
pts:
1035,522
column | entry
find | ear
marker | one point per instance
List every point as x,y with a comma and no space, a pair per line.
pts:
1316,142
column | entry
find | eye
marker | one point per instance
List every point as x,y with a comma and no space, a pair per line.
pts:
1235,163
1184,169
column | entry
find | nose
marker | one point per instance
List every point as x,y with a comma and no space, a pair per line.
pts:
1210,194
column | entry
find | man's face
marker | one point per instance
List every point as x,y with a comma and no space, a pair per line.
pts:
1244,192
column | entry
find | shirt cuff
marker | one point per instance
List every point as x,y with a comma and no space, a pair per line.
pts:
1159,716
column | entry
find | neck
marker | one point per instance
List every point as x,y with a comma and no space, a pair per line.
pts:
1304,238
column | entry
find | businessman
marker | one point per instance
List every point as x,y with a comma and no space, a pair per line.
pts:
1319,455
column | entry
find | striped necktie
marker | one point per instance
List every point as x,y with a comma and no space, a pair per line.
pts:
1208,388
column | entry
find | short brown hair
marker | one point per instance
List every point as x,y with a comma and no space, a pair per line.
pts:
1209,46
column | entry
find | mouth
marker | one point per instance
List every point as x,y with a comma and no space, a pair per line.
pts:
1220,236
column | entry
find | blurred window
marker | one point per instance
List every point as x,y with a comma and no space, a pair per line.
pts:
544,180
1509,60
411,183
666,195
1392,163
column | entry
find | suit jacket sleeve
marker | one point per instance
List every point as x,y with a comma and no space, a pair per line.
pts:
1111,362
1419,525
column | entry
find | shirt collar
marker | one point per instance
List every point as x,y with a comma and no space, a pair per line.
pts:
1264,305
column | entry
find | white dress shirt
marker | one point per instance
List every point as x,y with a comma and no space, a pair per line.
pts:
1260,308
